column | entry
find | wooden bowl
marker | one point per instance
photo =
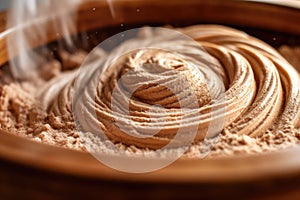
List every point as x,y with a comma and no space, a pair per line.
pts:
39,171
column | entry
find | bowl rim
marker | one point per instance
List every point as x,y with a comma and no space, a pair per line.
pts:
239,168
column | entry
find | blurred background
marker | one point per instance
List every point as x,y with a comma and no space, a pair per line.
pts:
3,4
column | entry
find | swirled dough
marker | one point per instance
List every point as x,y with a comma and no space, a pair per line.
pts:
141,99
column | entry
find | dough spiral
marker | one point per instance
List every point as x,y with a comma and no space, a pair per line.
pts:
176,84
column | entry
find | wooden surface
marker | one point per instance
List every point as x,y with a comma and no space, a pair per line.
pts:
243,13
38,171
